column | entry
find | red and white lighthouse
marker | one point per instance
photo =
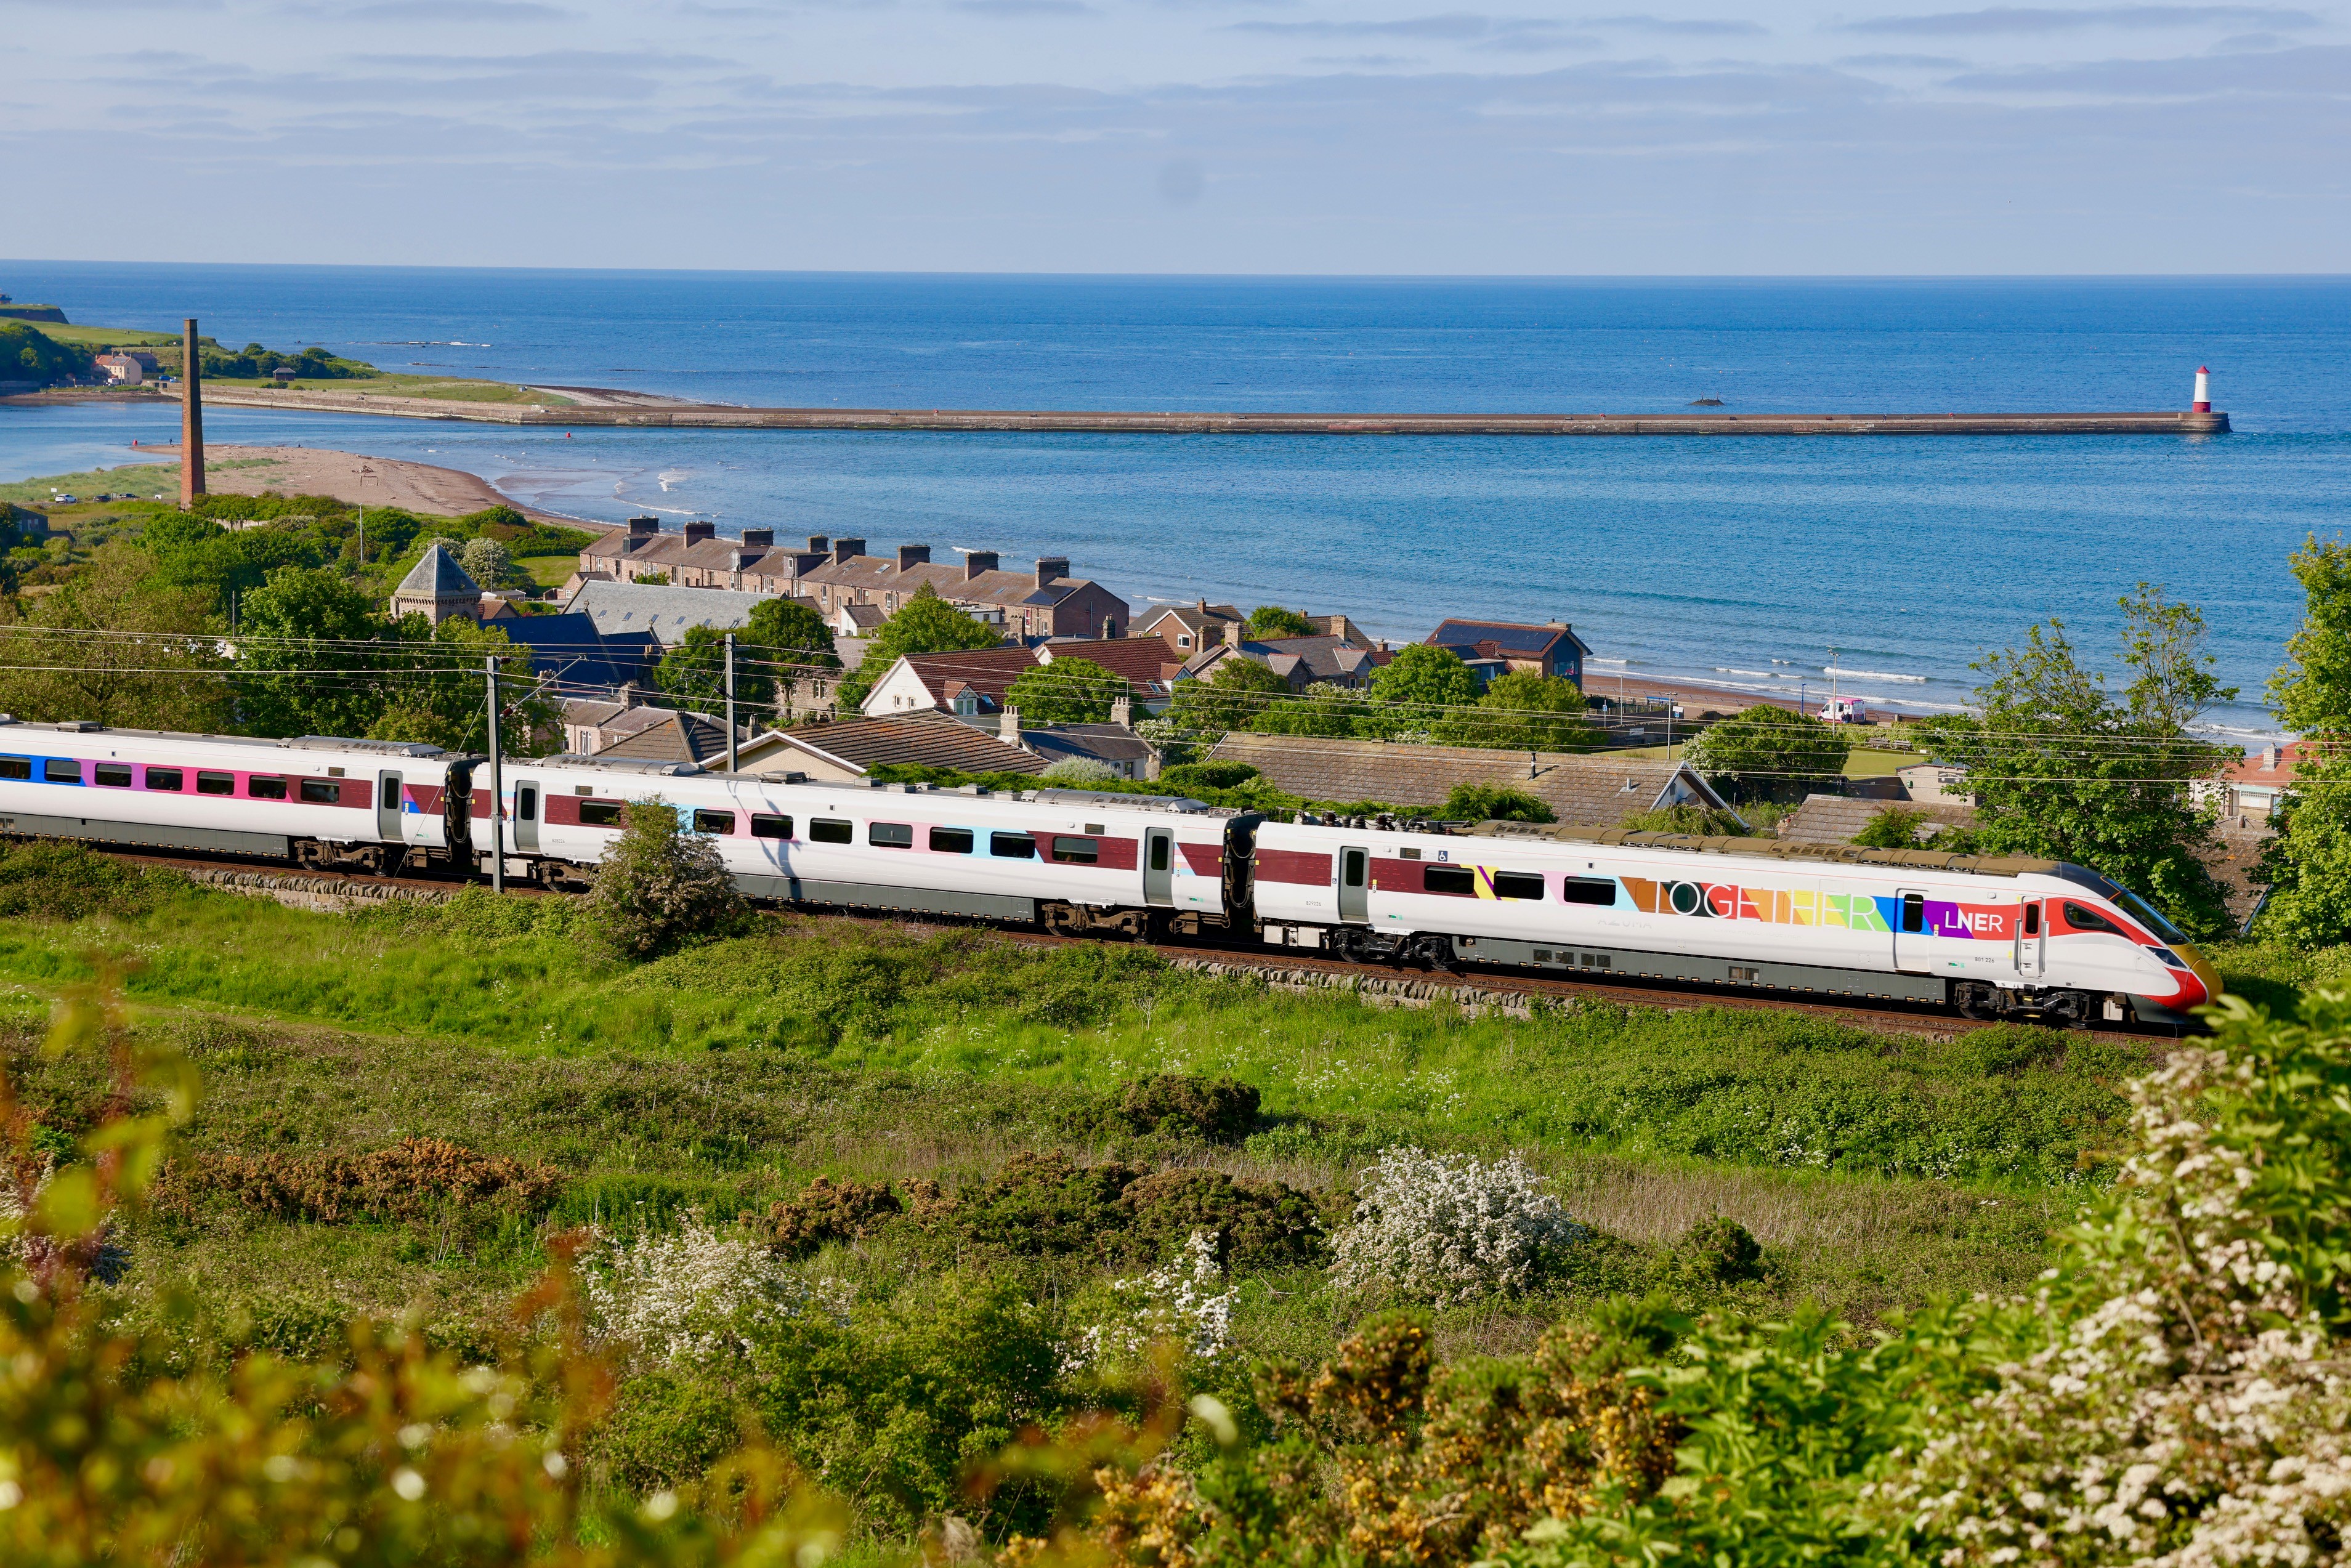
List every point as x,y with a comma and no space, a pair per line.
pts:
2203,404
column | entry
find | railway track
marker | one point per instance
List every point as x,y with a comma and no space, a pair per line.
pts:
1289,967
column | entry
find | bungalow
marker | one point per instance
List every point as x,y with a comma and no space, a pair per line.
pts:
2252,788
1582,791
1301,661
1512,647
851,748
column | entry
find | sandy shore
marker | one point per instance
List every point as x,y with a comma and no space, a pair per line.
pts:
358,480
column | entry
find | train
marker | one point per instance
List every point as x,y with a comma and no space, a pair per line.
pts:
1990,938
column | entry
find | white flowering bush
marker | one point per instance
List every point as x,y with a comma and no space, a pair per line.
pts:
1448,1227
1181,1303
694,1295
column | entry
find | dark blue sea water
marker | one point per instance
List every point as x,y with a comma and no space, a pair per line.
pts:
1742,562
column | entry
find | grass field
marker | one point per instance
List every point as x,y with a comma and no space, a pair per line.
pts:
394,384
1877,1171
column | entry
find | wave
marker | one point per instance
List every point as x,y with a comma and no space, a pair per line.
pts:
1765,674
1618,662
1874,675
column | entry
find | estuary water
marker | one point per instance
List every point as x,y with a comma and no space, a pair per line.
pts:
1737,562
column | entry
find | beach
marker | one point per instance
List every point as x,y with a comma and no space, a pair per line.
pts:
355,479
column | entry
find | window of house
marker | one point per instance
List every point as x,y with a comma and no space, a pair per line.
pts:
890,835
600,813
261,789
326,792
163,779
764,826
1459,881
113,775
714,821
1600,890
1076,850
950,840
1517,885
832,831
61,770
1012,846
215,783
1181,641
15,768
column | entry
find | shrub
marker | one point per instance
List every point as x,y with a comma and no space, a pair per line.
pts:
1719,1251
1493,803
659,888
401,1182
1704,820
666,1429
1179,1305
1894,828
1048,1204
1208,775
1220,1110
848,1211
1251,1225
695,1295
1449,1227
1080,770
70,882
1044,1203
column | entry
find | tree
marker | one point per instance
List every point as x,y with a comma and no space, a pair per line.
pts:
311,656
193,553
114,647
784,644
2062,769
1067,690
1522,711
1422,688
658,887
1273,621
1322,708
1771,749
29,354
489,563
1239,691
2308,861
924,624
435,692
1894,828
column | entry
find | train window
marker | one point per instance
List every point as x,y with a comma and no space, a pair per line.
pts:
2082,919
950,840
714,821
600,813
1076,852
1600,890
832,831
322,792
1354,862
163,779
113,775
61,770
2033,920
15,768
763,826
525,803
1517,885
890,835
1012,846
262,789
1914,914
1457,879
1159,854
214,783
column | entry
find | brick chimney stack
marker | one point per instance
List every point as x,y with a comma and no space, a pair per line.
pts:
977,562
192,422
1007,729
846,551
914,555
696,532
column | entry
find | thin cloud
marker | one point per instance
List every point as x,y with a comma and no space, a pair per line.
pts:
2308,71
1691,27
456,11
1026,7
1902,62
1456,26
2013,19
87,8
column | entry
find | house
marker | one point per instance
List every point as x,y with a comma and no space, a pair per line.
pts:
573,659
860,620
436,587
1582,791
1151,674
1047,602
850,748
1190,628
2250,788
1302,662
1840,819
1511,647
1115,745
667,612
673,736
120,370
970,682
1936,784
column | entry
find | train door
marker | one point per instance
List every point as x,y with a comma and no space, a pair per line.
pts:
526,816
1159,867
1354,886
1910,933
387,808
2030,937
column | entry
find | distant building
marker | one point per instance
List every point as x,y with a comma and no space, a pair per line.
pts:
2252,788
1493,648
1841,819
971,684
573,659
673,736
436,587
667,612
848,749
1936,784
120,370
1301,661
1190,628
1582,791
1115,745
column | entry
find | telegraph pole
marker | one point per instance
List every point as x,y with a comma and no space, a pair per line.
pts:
497,787
730,702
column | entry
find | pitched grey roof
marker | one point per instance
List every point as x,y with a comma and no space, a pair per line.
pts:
437,575
1584,791
926,738
1100,742
666,612
1838,818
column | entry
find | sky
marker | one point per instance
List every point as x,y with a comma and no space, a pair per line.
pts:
1155,136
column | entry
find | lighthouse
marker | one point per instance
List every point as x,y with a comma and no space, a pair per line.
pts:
2203,404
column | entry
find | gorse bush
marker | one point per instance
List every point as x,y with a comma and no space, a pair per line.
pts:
1445,1227
659,886
396,1183
1220,1110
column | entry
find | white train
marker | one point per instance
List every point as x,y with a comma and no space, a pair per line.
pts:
1988,937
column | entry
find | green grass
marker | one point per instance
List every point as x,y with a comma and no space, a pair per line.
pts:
139,478
397,384
1877,1170
115,337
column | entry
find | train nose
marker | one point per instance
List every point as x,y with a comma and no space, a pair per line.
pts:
2207,977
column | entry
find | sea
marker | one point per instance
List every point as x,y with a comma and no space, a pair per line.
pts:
1755,563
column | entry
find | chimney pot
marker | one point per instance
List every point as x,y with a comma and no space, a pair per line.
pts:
1008,728
914,555
1110,628
846,551
977,562
1122,712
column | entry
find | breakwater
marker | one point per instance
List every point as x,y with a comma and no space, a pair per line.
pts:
592,408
